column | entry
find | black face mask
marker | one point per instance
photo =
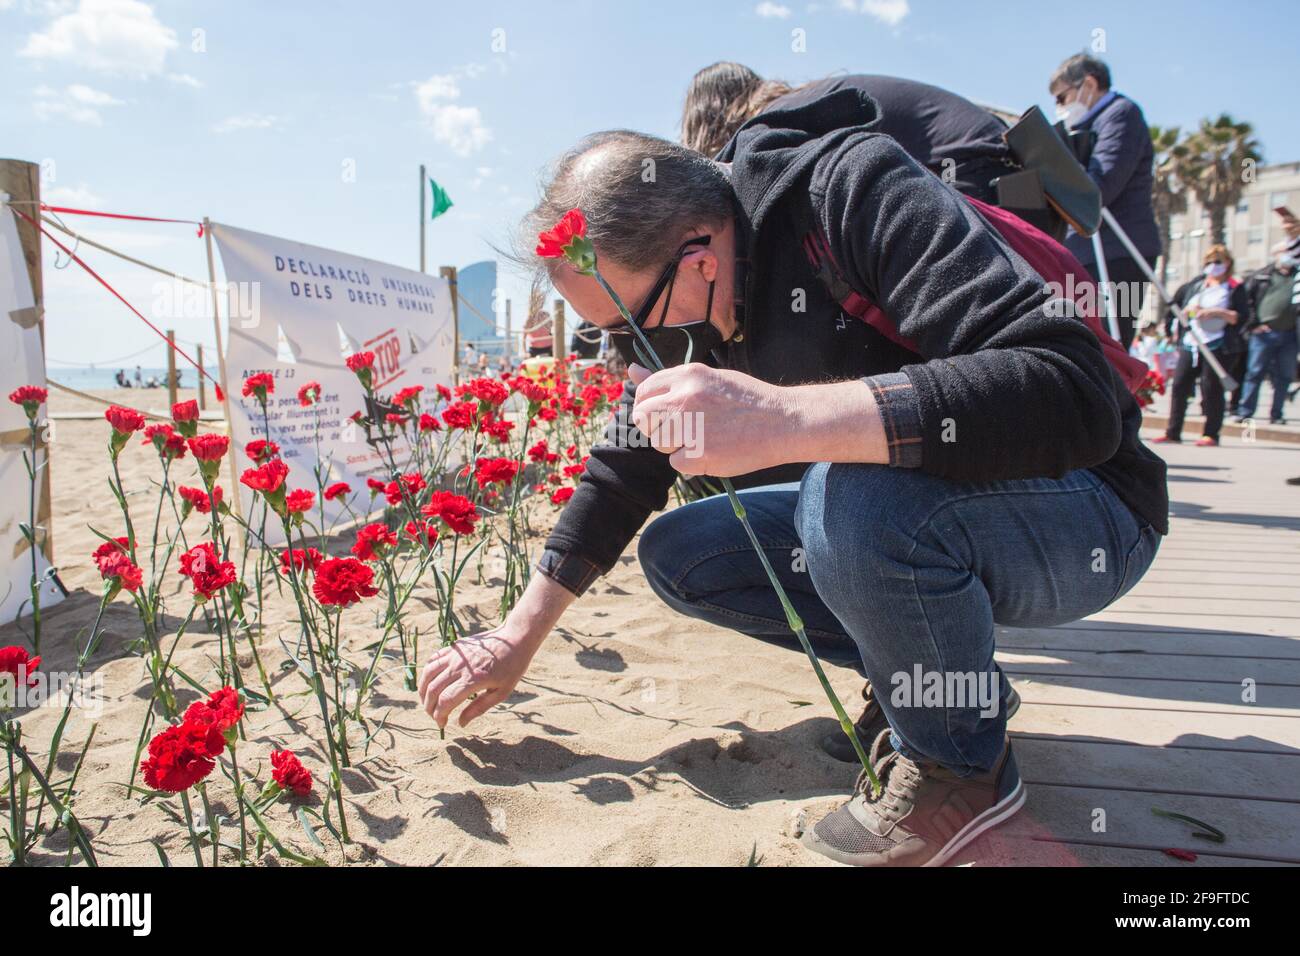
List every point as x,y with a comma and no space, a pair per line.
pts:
674,344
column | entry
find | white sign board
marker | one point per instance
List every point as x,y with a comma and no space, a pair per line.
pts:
297,311
21,363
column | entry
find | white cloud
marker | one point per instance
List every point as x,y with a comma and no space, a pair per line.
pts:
768,10
184,79
109,36
233,124
78,196
459,127
78,103
889,12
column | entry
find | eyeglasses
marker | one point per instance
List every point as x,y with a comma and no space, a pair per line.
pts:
666,280
1060,97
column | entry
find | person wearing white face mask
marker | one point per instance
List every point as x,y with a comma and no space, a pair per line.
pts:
1121,165
1271,334
1217,304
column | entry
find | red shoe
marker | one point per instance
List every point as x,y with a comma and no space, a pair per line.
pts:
1205,441
1166,440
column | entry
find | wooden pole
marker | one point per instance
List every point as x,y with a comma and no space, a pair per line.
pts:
558,349
422,192
203,391
22,181
221,373
449,273
171,368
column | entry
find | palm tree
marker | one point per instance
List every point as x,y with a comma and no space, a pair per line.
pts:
1219,155
1168,192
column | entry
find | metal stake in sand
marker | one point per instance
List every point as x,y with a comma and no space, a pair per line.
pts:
569,240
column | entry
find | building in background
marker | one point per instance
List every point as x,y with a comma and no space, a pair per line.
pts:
477,285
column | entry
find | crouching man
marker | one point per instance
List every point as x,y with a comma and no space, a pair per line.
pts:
972,452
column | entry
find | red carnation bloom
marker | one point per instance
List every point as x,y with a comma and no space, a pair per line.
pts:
14,660
259,386
198,498
303,561
394,418
533,391
120,569
372,540
460,415
220,714
550,244
444,392
309,394
547,414
422,532
456,511
497,428
361,360
538,452
336,490
30,397
413,483
299,500
287,770
341,582
376,486
428,423
206,572
209,447
562,495
487,390
179,757
124,420
108,550
573,471
489,470
187,411
260,451
164,439
268,478
409,394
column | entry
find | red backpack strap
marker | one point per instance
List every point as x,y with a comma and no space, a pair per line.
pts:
830,275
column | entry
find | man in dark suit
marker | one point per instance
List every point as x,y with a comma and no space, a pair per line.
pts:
1121,165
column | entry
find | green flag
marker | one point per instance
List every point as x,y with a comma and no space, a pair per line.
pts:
441,201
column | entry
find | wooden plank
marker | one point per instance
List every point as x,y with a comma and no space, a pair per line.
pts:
1175,695
1009,849
1200,669
1201,620
1116,766
1154,641
1193,729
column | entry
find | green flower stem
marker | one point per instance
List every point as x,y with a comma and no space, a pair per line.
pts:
791,618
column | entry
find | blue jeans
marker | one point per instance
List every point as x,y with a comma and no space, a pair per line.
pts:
1272,355
914,571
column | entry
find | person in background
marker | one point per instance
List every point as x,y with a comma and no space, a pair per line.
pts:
1272,344
483,363
1217,304
539,337
139,377
1121,165
955,139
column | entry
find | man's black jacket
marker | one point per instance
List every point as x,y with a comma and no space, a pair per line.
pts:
1021,379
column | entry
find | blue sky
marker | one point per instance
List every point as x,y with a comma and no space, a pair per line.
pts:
252,112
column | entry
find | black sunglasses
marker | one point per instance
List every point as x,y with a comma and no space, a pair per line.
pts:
666,279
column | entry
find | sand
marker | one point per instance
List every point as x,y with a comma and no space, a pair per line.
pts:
638,736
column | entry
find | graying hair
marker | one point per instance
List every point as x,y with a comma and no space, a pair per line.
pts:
1078,68
639,194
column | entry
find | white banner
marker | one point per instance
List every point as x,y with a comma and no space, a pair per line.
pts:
21,363
297,311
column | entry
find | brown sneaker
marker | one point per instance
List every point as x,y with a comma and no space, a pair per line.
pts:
923,816
872,721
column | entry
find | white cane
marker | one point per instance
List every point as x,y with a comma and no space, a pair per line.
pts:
1103,275
1229,383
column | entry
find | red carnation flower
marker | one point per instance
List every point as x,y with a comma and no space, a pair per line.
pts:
372,540
287,770
376,486
336,490
303,561
550,244
14,660
259,386
187,411
209,447
444,392
165,441
309,394
260,451
428,423
30,397
422,532
562,495
268,478
497,428
362,360
206,572
460,415
341,582
198,498
299,500
489,470
413,484
220,714
456,511
179,757
396,419
488,391
408,395
121,570
538,452
125,421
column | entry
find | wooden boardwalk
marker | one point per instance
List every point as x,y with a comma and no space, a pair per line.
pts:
1142,706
